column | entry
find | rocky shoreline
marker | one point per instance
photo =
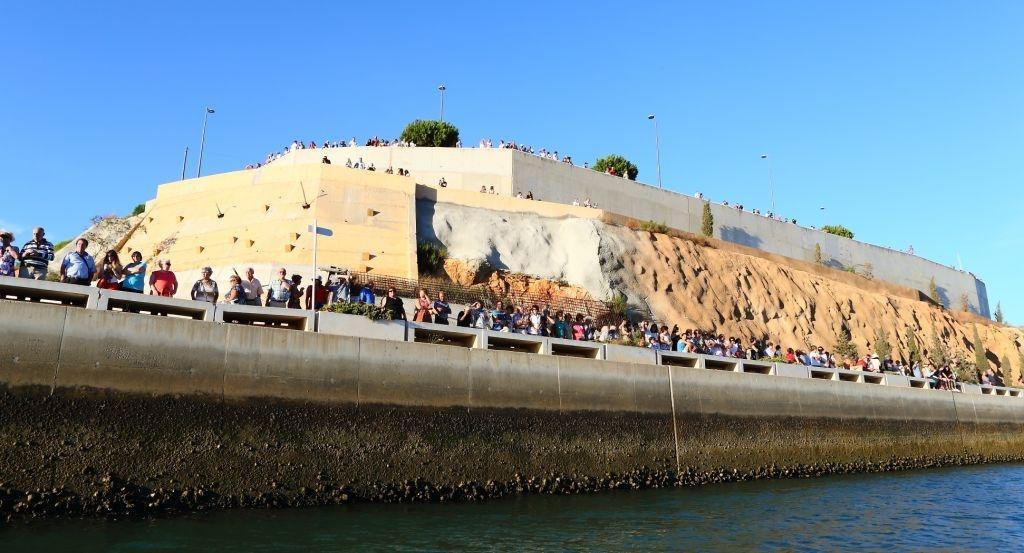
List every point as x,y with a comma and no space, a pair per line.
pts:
113,498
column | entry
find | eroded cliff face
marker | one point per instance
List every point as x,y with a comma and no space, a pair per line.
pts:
741,295
700,286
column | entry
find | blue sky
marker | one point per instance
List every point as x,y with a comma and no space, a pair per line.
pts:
903,119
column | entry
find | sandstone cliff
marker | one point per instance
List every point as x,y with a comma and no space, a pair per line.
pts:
709,285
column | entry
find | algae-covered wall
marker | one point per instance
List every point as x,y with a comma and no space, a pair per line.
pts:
105,412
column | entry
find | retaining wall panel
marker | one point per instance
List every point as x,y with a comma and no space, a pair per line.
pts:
588,385
141,353
630,354
31,340
269,362
650,388
410,373
509,379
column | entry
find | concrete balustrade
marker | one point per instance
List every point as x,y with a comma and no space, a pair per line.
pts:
116,300
23,289
23,297
274,317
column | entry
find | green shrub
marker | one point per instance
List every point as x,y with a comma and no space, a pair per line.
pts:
933,291
653,226
617,306
817,255
838,230
372,312
845,347
430,256
621,165
424,132
61,244
139,209
999,313
707,223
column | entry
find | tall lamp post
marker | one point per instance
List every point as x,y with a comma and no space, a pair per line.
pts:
202,142
771,181
657,145
441,89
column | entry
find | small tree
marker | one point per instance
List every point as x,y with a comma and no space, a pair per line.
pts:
933,291
817,254
999,313
980,359
882,346
139,209
1006,370
707,221
430,257
913,349
838,230
845,347
965,303
621,165
424,132
965,370
938,353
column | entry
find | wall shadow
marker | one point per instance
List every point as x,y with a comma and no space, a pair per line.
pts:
737,235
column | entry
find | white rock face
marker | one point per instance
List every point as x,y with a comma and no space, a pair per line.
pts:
571,249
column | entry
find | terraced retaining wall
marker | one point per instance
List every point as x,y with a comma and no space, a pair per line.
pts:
115,413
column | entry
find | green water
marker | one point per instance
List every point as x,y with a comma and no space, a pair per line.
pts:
972,508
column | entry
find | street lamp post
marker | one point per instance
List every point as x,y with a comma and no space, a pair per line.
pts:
771,181
657,145
441,89
184,162
202,142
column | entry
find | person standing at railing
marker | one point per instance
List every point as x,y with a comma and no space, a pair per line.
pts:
441,309
8,254
393,305
366,294
163,282
253,288
36,255
78,267
280,290
134,275
317,294
423,305
111,271
236,293
205,289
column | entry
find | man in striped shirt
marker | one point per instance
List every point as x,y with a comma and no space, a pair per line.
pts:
36,254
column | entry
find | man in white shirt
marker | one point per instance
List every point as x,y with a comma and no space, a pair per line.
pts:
253,288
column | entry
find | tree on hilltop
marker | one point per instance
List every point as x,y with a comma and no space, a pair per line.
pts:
999,313
1006,371
429,133
818,259
838,230
965,303
707,221
619,164
938,353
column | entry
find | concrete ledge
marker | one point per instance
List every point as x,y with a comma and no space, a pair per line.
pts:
722,363
630,354
873,378
358,326
758,367
897,380
586,386
407,373
445,334
574,348
917,382
116,300
505,379
276,317
969,388
822,373
25,289
793,371
845,375
680,359
510,341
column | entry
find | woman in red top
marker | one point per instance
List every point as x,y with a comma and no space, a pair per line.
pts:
423,305
790,356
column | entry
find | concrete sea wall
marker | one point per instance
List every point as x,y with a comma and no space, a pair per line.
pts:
118,413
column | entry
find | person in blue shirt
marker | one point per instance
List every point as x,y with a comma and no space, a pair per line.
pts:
78,267
366,294
134,275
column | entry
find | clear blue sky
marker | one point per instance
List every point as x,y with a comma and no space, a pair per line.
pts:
903,119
